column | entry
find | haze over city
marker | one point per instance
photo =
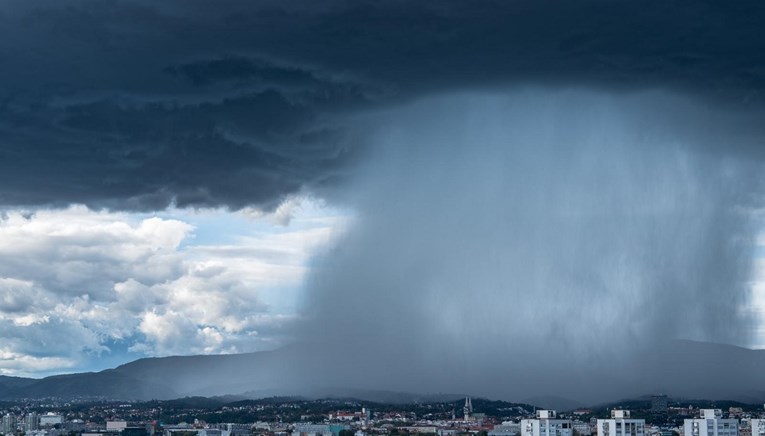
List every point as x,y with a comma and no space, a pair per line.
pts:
504,199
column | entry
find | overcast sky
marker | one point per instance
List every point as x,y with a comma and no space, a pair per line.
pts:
185,177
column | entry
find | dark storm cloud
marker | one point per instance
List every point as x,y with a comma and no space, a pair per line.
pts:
243,70
134,104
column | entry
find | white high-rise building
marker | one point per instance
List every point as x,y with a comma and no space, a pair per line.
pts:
758,427
621,424
9,424
31,422
546,424
711,424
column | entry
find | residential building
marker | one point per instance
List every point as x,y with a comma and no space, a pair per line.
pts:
581,428
31,422
546,424
507,428
710,423
311,430
9,424
50,419
116,425
621,424
757,426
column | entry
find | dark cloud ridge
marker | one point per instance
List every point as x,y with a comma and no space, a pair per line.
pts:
134,105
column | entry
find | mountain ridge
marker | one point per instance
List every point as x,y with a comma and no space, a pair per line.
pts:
679,368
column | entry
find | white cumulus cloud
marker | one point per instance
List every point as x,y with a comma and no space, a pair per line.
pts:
77,285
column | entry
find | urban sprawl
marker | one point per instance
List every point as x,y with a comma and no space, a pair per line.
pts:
333,417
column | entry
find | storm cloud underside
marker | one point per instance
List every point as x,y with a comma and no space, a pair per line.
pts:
133,105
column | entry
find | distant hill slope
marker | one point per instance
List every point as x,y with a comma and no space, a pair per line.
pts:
163,378
15,382
678,368
703,370
9,385
104,384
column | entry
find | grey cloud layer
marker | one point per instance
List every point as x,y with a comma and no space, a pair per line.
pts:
133,105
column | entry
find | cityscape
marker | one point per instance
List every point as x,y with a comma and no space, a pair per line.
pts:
657,415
